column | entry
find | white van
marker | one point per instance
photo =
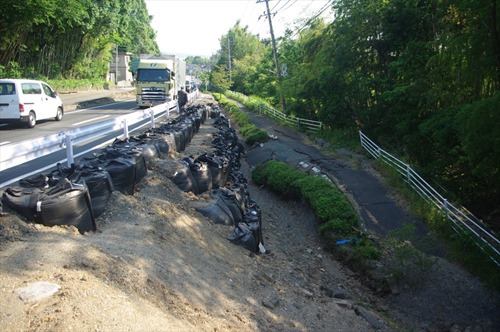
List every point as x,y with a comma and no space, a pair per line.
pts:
28,101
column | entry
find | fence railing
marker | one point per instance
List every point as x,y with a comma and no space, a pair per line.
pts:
463,221
293,121
14,154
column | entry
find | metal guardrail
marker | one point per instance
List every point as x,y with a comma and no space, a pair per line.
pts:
14,154
282,117
464,222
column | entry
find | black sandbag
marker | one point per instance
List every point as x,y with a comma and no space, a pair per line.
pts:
253,217
218,167
169,139
100,186
157,140
243,235
165,135
218,212
231,202
196,123
183,178
201,174
140,162
122,172
190,130
22,200
97,179
240,192
66,203
35,181
147,148
131,161
179,139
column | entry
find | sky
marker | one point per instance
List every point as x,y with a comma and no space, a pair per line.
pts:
194,27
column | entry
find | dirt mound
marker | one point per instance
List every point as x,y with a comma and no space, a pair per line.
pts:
156,264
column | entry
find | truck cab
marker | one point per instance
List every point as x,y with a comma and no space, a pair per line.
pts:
155,82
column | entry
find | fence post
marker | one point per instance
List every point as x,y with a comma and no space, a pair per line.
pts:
446,209
69,150
152,115
125,129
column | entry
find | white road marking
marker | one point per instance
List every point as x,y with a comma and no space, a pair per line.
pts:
90,120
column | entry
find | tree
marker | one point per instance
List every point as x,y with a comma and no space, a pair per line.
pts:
220,78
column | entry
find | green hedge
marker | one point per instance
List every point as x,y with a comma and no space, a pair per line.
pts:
248,130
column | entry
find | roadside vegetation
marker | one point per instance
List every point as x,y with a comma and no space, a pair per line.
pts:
251,133
419,78
398,259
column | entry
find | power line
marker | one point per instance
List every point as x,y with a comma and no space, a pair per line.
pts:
325,7
284,9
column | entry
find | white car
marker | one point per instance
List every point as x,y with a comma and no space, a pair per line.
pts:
28,101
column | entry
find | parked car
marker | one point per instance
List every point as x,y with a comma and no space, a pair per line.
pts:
27,101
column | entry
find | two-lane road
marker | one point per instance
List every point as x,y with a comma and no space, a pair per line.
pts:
71,119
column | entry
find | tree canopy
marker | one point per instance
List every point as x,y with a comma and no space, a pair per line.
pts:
421,77
70,38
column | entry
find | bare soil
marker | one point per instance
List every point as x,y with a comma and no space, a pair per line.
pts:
156,264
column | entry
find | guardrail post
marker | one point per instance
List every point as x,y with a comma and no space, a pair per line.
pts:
125,129
408,173
152,114
168,111
69,150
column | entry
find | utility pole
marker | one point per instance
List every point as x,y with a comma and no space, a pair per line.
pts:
229,57
275,53
116,66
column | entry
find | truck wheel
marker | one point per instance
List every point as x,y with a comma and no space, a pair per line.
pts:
60,114
31,119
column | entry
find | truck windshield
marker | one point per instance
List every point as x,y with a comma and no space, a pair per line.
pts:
153,75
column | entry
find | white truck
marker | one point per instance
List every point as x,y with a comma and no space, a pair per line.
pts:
157,79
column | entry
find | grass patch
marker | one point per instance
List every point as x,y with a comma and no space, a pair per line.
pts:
461,247
247,129
338,219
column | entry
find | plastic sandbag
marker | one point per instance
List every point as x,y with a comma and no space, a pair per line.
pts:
243,234
218,167
67,203
229,198
22,200
183,178
200,173
218,212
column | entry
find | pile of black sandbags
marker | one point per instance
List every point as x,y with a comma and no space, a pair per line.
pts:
219,175
77,195
53,200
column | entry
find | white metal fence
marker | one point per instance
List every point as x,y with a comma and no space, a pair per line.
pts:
463,221
308,125
14,154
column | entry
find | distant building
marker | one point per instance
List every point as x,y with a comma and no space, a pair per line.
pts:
119,69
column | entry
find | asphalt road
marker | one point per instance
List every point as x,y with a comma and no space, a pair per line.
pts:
379,210
76,115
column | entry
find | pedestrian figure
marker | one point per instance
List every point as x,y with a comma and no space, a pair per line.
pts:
183,99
